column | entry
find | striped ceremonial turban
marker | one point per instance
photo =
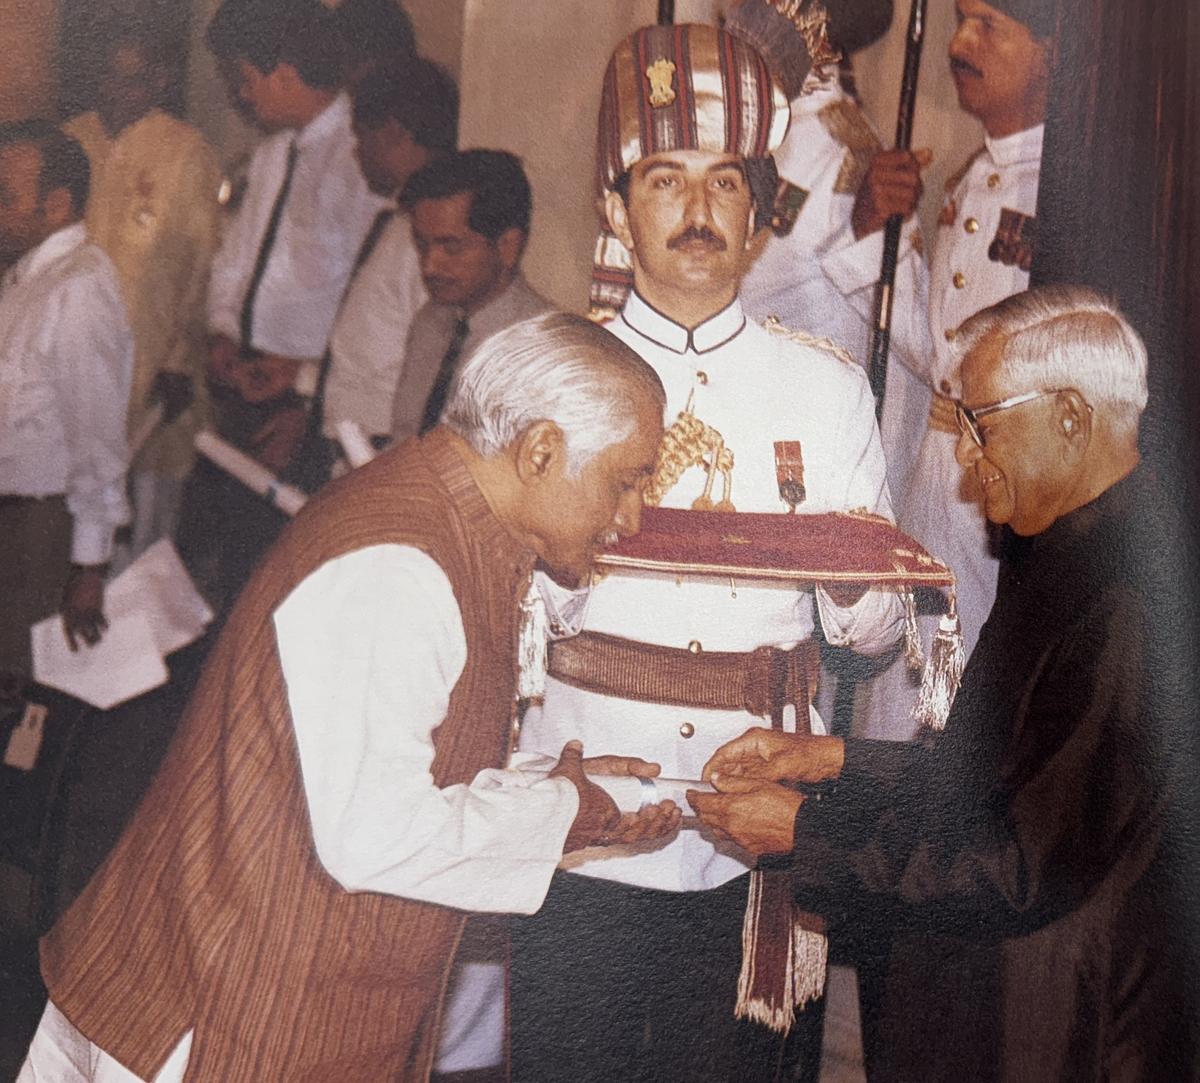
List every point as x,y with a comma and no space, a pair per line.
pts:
686,87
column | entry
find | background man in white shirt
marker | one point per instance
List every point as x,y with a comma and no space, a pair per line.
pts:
66,358
282,268
470,216
403,119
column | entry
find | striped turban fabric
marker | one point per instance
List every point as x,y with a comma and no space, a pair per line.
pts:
671,88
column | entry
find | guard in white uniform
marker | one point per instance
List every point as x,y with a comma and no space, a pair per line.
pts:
982,254
631,970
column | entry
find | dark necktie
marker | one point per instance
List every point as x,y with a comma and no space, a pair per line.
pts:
316,415
264,249
445,374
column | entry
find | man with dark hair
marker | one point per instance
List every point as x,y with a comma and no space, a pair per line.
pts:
470,219
376,34
66,354
403,120
153,209
282,267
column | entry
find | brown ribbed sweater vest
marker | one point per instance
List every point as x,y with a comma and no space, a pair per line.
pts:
213,912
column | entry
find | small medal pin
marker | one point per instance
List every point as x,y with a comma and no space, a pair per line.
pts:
789,472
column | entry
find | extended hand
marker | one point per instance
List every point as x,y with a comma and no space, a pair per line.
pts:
599,821
83,605
758,816
767,755
892,186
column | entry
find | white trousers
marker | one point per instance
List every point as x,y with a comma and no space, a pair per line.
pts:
59,1053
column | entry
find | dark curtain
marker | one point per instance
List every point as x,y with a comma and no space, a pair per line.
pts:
1118,205
1119,209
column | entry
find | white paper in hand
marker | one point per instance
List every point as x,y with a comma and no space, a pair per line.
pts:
124,664
152,609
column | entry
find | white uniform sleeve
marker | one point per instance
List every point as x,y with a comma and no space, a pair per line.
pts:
371,646
93,356
876,620
854,269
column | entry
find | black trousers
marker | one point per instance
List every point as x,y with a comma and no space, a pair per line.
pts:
623,985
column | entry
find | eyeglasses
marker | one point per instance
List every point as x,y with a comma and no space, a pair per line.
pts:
968,418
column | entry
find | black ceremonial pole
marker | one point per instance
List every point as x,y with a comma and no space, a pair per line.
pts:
885,290
666,12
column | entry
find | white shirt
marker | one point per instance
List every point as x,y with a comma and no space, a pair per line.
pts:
328,210
371,645
66,361
757,388
821,279
371,329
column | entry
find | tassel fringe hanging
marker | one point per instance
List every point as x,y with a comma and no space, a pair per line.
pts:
939,684
914,653
783,964
531,646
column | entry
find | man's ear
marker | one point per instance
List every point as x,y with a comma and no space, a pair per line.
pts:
540,449
510,244
753,232
618,218
58,208
1074,419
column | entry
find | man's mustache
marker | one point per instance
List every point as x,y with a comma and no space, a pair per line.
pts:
697,233
962,66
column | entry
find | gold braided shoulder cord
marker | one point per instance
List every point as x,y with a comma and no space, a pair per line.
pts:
803,338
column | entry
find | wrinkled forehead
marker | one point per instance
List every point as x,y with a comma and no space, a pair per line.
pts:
980,370
691,162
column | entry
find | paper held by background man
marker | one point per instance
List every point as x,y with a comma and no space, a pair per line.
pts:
152,608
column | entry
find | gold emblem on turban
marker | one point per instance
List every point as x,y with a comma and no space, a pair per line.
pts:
660,74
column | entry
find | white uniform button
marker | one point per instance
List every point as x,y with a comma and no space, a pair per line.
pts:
686,730
695,646
960,280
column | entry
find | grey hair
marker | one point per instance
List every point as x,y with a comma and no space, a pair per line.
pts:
1068,337
554,367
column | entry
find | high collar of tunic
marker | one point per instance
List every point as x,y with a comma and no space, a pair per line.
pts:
500,548
716,331
1023,146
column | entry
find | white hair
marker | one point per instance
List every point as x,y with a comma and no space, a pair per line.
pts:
554,367
1066,337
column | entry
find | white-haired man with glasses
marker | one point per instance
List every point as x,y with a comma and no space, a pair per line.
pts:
1022,866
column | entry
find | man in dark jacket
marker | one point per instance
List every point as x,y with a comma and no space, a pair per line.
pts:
1023,864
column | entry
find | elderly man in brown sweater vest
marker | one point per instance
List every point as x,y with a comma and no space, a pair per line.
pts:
286,902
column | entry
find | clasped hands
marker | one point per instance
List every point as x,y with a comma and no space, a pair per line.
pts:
751,808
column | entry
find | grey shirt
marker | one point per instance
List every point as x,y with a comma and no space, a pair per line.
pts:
429,337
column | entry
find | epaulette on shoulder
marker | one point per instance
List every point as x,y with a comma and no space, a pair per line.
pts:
954,181
802,338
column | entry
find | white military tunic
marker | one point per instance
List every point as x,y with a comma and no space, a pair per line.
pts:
754,388
818,277
942,509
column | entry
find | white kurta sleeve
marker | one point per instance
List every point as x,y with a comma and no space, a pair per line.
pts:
876,620
91,351
371,646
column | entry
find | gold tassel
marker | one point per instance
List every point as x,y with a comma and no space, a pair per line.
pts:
914,653
939,685
531,645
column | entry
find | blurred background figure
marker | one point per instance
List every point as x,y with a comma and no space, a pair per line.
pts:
153,209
